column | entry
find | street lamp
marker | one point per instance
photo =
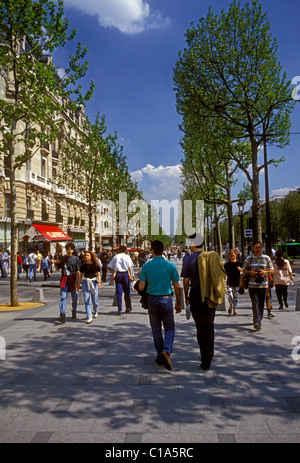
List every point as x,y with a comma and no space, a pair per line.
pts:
241,205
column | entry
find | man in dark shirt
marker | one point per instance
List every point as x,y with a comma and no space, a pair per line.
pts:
202,314
69,282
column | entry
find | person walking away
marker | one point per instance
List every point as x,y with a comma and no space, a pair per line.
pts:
32,265
69,282
201,279
25,263
91,283
232,269
282,276
104,262
3,262
121,266
45,265
258,266
38,261
160,274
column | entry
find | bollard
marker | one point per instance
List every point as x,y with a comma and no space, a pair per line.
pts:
38,295
2,348
298,300
223,306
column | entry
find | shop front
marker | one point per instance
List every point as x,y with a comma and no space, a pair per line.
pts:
46,238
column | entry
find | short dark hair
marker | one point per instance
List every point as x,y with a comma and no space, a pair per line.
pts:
122,248
70,245
158,247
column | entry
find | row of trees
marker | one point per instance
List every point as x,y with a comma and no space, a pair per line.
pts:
233,99
32,115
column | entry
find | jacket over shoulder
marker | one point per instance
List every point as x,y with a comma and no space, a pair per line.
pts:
212,277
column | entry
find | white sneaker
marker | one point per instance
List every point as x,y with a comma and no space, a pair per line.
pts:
95,314
89,320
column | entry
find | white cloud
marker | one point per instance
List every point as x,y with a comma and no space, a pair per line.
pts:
283,191
159,173
158,183
128,16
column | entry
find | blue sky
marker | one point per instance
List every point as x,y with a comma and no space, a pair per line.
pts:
132,49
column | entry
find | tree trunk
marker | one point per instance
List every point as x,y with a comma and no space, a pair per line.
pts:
256,207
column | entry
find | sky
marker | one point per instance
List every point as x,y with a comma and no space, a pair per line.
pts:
133,46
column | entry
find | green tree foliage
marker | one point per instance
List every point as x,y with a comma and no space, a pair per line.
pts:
229,69
35,93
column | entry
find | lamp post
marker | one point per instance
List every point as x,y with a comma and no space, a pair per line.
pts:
241,205
267,198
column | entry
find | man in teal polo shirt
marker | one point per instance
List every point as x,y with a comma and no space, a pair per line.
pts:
160,275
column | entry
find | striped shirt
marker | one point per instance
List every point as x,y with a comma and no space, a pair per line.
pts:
262,262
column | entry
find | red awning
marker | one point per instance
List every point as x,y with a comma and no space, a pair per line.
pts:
52,233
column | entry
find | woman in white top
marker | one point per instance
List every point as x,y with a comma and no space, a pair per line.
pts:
282,276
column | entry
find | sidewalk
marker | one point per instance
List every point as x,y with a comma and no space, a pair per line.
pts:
99,383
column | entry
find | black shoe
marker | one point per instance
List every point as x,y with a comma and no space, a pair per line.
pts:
286,305
74,316
159,359
62,318
128,310
257,326
204,367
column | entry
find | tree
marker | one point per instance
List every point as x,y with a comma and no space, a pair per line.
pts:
230,70
213,159
35,93
99,164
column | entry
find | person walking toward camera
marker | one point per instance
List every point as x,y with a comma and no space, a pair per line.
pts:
258,266
70,267
91,283
232,269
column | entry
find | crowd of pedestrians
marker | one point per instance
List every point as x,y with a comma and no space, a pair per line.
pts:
206,280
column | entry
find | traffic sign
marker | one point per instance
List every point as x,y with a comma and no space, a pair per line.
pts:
248,233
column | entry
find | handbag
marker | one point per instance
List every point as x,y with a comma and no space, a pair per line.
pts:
244,280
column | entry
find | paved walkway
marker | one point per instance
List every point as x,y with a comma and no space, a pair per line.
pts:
99,383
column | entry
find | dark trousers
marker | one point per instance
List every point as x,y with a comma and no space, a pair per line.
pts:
281,293
122,282
204,317
258,296
104,272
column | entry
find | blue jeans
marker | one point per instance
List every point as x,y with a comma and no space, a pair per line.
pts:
161,313
3,268
19,271
258,296
122,282
32,267
88,295
64,296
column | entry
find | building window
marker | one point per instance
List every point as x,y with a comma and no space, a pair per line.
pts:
7,206
43,167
